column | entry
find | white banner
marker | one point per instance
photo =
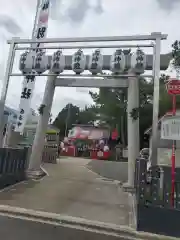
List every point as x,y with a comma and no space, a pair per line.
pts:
29,82
170,128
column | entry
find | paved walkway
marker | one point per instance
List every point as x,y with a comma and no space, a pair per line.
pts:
72,189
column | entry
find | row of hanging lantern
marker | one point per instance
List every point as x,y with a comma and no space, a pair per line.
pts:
41,62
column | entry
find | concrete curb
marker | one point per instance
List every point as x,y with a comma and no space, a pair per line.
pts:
58,219
132,213
111,170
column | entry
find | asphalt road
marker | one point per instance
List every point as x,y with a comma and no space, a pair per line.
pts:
18,229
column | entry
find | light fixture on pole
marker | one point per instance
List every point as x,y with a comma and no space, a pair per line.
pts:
118,62
138,62
26,62
57,62
96,62
78,62
40,62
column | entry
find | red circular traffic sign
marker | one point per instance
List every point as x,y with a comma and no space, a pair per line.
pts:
173,86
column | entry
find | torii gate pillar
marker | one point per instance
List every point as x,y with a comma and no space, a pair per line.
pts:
133,129
39,141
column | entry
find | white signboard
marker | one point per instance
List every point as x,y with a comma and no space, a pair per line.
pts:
29,82
170,128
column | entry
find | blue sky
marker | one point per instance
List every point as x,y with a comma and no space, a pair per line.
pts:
72,18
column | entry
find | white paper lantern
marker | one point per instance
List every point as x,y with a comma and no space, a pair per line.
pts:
118,62
26,62
40,62
96,62
78,62
57,62
138,61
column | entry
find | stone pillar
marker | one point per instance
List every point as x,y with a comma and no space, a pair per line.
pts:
39,141
133,130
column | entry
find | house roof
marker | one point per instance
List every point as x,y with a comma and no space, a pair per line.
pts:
169,113
52,127
81,131
82,125
90,126
10,110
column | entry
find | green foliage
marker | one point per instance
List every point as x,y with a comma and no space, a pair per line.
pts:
176,53
135,113
112,105
41,109
72,114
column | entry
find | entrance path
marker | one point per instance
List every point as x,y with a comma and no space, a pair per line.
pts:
74,190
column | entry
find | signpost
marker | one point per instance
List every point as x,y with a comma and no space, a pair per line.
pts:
173,88
170,128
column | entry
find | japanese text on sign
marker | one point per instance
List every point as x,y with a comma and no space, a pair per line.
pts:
170,128
29,81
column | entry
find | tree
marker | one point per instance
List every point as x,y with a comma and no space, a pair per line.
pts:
72,114
112,105
88,115
66,118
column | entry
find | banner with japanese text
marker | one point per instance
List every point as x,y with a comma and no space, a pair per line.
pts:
29,81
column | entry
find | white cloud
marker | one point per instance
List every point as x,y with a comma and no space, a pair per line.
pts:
99,18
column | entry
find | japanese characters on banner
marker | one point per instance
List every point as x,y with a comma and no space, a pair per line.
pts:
26,96
29,82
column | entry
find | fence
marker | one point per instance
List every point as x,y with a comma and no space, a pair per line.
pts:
13,164
153,195
50,154
85,152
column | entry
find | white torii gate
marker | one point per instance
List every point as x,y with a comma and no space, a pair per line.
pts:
130,80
